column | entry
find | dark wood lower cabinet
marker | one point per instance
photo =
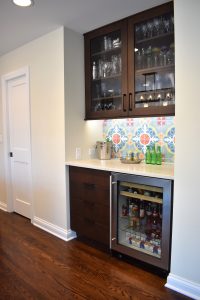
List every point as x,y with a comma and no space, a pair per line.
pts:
90,205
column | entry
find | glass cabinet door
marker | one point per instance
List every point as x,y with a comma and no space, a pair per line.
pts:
140,217
107,71
152,61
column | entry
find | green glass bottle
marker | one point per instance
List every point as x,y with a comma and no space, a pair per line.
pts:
158,156
153,155
148,155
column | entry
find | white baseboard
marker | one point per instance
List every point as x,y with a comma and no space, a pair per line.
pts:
3,206
183,286
61,233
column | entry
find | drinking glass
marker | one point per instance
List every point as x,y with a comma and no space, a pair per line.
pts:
166,23
144,31
138,32
172,23
107,67
156,26
163,56
149,57
115,64
149,29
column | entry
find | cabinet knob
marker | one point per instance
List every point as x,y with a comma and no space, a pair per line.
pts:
113,239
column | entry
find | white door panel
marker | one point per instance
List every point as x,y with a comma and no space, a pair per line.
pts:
19,138
21,189
21,155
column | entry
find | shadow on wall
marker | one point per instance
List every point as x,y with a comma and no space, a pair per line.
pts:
133,135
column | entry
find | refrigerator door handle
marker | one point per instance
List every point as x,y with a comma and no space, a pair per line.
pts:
111,187
110,210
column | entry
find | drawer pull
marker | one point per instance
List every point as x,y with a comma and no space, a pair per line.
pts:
89,186
88,203
90,222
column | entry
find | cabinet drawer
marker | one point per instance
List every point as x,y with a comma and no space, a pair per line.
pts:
91,229
91,210
89,177
81,192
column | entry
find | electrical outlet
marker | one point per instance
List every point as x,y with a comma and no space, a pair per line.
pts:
78,153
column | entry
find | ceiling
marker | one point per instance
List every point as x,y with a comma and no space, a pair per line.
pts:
19,26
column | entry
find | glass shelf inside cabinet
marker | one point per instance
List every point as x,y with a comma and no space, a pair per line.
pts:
154,62
140,218
106,68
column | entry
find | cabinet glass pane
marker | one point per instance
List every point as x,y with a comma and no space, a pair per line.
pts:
154,62
140,217
106,69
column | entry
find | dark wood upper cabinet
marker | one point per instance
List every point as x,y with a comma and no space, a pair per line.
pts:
129,66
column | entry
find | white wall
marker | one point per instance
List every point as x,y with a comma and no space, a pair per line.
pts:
45,58
2,169
185,261
79,133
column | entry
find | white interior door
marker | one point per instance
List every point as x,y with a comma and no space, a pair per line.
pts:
18,112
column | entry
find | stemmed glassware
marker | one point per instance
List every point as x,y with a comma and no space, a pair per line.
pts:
172,23
156,26
149,29
138,32
166,23
144,31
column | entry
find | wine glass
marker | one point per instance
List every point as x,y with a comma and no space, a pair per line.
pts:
172,23
149,29
166,23
144,31
156,26
163,56
138,32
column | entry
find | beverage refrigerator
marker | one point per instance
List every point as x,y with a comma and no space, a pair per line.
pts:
141,218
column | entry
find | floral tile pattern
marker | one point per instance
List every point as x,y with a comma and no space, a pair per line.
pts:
133,135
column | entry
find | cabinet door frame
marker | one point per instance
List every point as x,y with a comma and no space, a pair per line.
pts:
122,26
140,17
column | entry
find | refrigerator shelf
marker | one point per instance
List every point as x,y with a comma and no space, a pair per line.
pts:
136,246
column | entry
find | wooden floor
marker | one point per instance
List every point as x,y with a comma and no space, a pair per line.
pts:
37,265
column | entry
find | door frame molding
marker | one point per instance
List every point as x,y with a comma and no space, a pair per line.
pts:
4,80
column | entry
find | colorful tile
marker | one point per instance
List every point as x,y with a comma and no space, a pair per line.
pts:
133,135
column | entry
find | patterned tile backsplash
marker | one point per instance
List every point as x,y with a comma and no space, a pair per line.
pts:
133,135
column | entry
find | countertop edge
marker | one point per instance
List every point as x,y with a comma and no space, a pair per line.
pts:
165,171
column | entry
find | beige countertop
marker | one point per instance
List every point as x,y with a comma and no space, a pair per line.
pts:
166,170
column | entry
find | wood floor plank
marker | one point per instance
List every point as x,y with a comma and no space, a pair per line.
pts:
37,265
